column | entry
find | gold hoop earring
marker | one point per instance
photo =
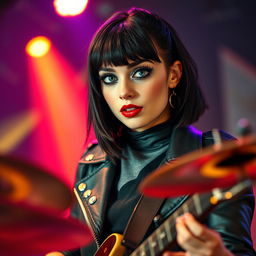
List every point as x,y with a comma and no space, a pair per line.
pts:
171,99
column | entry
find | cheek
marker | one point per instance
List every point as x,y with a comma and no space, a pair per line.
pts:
159,89
108,96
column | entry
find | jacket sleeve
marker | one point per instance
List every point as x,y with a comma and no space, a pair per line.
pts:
232,220
82,171
75,212
90,248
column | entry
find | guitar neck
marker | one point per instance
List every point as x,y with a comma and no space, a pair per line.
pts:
199,205
165,234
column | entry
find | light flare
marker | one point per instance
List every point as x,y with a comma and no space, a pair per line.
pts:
38,46
70,7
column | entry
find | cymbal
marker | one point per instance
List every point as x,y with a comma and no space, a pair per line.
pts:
27,231
202,170
23,182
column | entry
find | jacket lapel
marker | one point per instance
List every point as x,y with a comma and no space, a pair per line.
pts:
98,184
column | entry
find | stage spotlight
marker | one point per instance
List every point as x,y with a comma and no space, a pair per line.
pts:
38,46
69,8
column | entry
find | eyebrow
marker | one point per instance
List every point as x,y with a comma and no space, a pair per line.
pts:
130,65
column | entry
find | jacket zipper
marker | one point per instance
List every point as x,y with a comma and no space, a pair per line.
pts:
88,218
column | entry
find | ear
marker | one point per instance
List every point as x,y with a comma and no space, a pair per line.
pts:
175,73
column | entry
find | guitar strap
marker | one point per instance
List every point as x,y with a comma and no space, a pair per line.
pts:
144,212
142,216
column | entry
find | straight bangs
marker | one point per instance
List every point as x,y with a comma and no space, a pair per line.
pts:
121,44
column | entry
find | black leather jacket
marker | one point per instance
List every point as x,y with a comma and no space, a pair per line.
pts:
95,174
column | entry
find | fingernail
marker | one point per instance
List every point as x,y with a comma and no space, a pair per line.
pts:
179,219
187,215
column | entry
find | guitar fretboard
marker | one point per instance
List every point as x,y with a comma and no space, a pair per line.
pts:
199,205
165,234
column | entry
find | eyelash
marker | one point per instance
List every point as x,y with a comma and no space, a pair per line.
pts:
141,69
103,77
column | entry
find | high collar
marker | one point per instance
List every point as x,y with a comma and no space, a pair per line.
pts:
182,141
150,139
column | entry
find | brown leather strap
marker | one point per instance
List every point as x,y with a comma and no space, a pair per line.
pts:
140,220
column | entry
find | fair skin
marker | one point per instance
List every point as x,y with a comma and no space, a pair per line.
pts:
147,85
197,240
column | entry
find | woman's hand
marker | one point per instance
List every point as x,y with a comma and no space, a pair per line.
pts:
197,240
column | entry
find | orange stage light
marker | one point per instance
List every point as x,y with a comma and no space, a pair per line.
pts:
38,46
70,8
58,94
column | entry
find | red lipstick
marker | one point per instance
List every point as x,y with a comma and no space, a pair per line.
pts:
130,110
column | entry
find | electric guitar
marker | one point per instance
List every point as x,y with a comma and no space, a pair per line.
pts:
165,235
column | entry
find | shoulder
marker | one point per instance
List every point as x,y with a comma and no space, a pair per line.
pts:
91,160
93,154
208,137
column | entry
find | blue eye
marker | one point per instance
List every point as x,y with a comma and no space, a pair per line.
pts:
108,79
141,72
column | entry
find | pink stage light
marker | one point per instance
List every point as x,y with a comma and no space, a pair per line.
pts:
58,94
69,7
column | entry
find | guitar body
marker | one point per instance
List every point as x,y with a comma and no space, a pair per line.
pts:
112,246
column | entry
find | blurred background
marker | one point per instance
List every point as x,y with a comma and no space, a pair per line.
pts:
43,82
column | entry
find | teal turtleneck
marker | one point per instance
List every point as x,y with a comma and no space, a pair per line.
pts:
144,152
142,148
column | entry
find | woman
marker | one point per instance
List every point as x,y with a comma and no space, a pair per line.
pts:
143,95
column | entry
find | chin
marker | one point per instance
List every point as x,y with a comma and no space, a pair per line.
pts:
138,128
136,124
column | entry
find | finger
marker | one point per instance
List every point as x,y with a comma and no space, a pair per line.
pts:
200,231
186,239
196,228
196,238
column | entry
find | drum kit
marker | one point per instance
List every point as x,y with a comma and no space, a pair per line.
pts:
32,201
32,204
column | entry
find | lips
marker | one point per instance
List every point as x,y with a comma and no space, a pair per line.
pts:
130,110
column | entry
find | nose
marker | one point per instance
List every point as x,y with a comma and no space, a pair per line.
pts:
126,91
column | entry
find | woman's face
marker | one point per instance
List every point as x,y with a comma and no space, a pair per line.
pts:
138,93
